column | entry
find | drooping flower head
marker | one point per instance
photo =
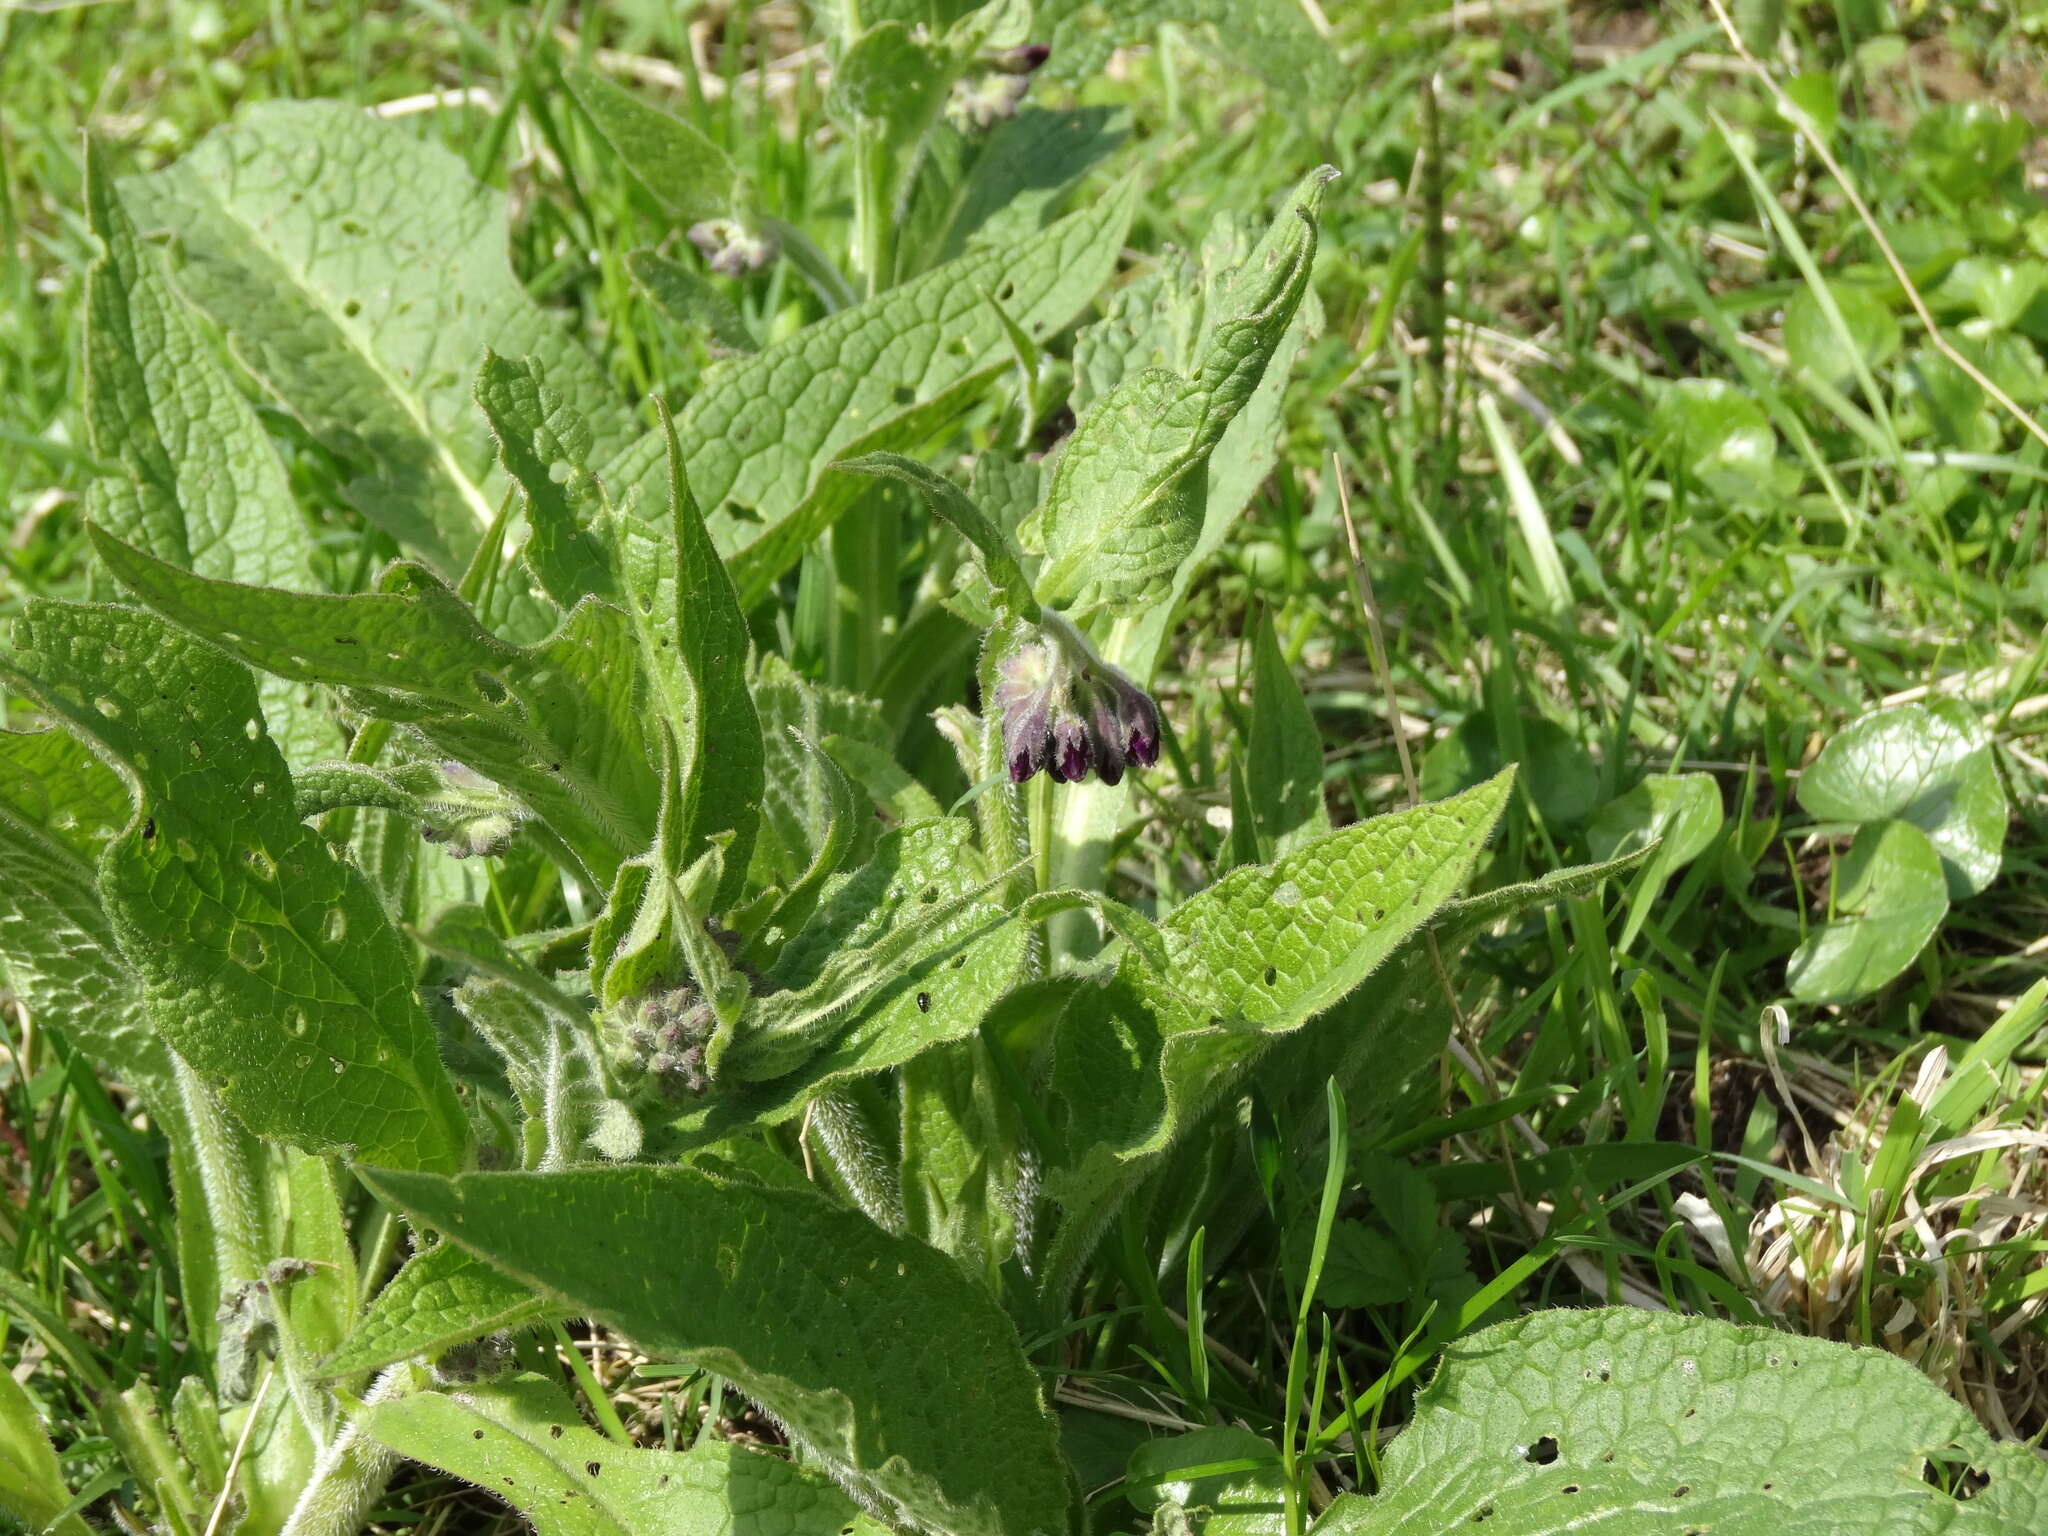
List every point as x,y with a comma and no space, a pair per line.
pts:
1065,710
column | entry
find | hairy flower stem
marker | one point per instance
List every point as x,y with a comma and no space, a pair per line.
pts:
353,1471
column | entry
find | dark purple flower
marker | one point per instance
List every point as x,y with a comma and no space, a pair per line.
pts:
1065,710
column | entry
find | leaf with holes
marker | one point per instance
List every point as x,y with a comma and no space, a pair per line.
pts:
878,376
360,271
266,961
1258,954
1645,1424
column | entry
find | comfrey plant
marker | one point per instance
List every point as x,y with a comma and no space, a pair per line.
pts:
718,1028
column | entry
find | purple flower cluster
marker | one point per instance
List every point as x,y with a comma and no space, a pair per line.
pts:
1069,712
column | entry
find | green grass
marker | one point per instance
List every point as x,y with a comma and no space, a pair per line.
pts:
1692,584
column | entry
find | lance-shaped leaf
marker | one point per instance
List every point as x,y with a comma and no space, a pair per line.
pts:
444,1296
1644,1424
891,1368
1125,506
718,738
522,1440
1284,756
691,301
691,176
881,375
201,485
360,270
267,963
1258,954
559,724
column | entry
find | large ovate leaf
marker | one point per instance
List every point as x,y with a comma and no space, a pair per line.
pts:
522,1440
1928,764
1258,954
878,376
880,1357
1126,502
360,272
444,1296
201,486
1645,1424
266,962
1889,897
559,724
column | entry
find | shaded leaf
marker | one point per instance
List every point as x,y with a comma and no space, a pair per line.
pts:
1889,898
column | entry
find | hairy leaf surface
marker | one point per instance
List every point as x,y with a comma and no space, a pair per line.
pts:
877,376
1644,1424
443,1296
267,963
360,272
885,1361
559,724
523,1440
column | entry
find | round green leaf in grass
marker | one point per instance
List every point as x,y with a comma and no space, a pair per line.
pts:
1720,439
1555,771
1999,291
1889,898
1869,332
1680,811
1928,764
1226,1480
1635,1423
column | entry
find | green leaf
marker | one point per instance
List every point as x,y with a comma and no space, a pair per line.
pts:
796,804
1258,954
1869,334
360,271
1679,813
1929,764
1556,772
442,1297
32,1486
537,431
1125,506
2000,291
688,174
201,486
1001,560
58,805
1284,753
893,1370
522,1440
1244,1497
559,724
877,376
1003,188
1889,898
718,742
1273,38
962,969
691,301
1719,438
267,962
1646,1424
